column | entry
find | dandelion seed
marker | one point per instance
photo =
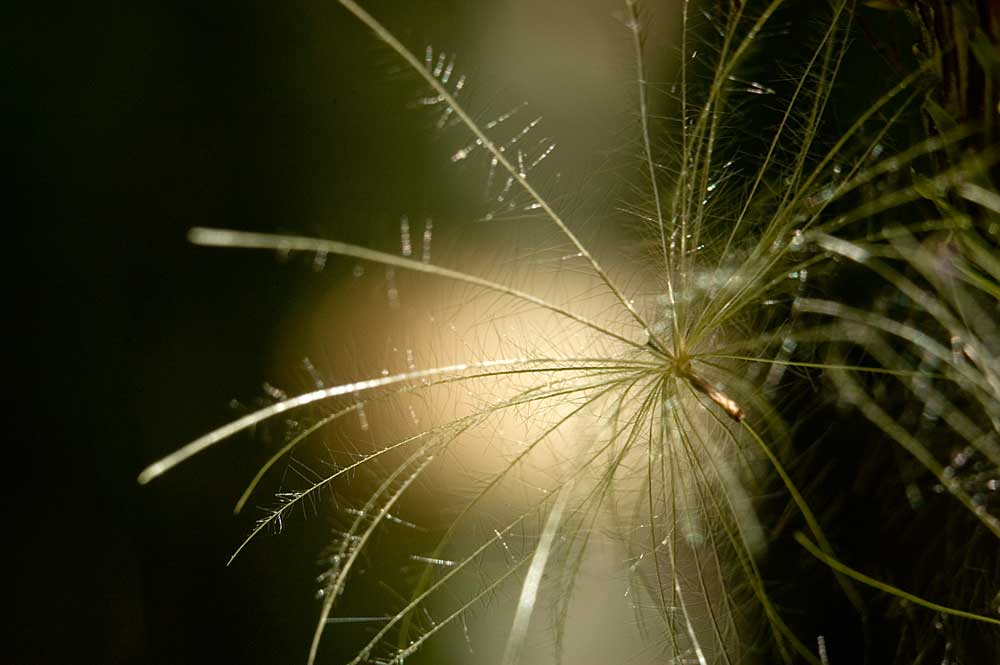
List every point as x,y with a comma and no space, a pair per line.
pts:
623,424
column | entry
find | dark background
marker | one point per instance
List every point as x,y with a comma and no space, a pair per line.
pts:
126,125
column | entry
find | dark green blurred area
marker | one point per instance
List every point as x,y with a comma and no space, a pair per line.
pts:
128,124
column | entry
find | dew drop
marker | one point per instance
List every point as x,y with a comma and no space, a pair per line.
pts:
406,246
391,289
425,256
362,415
319,262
